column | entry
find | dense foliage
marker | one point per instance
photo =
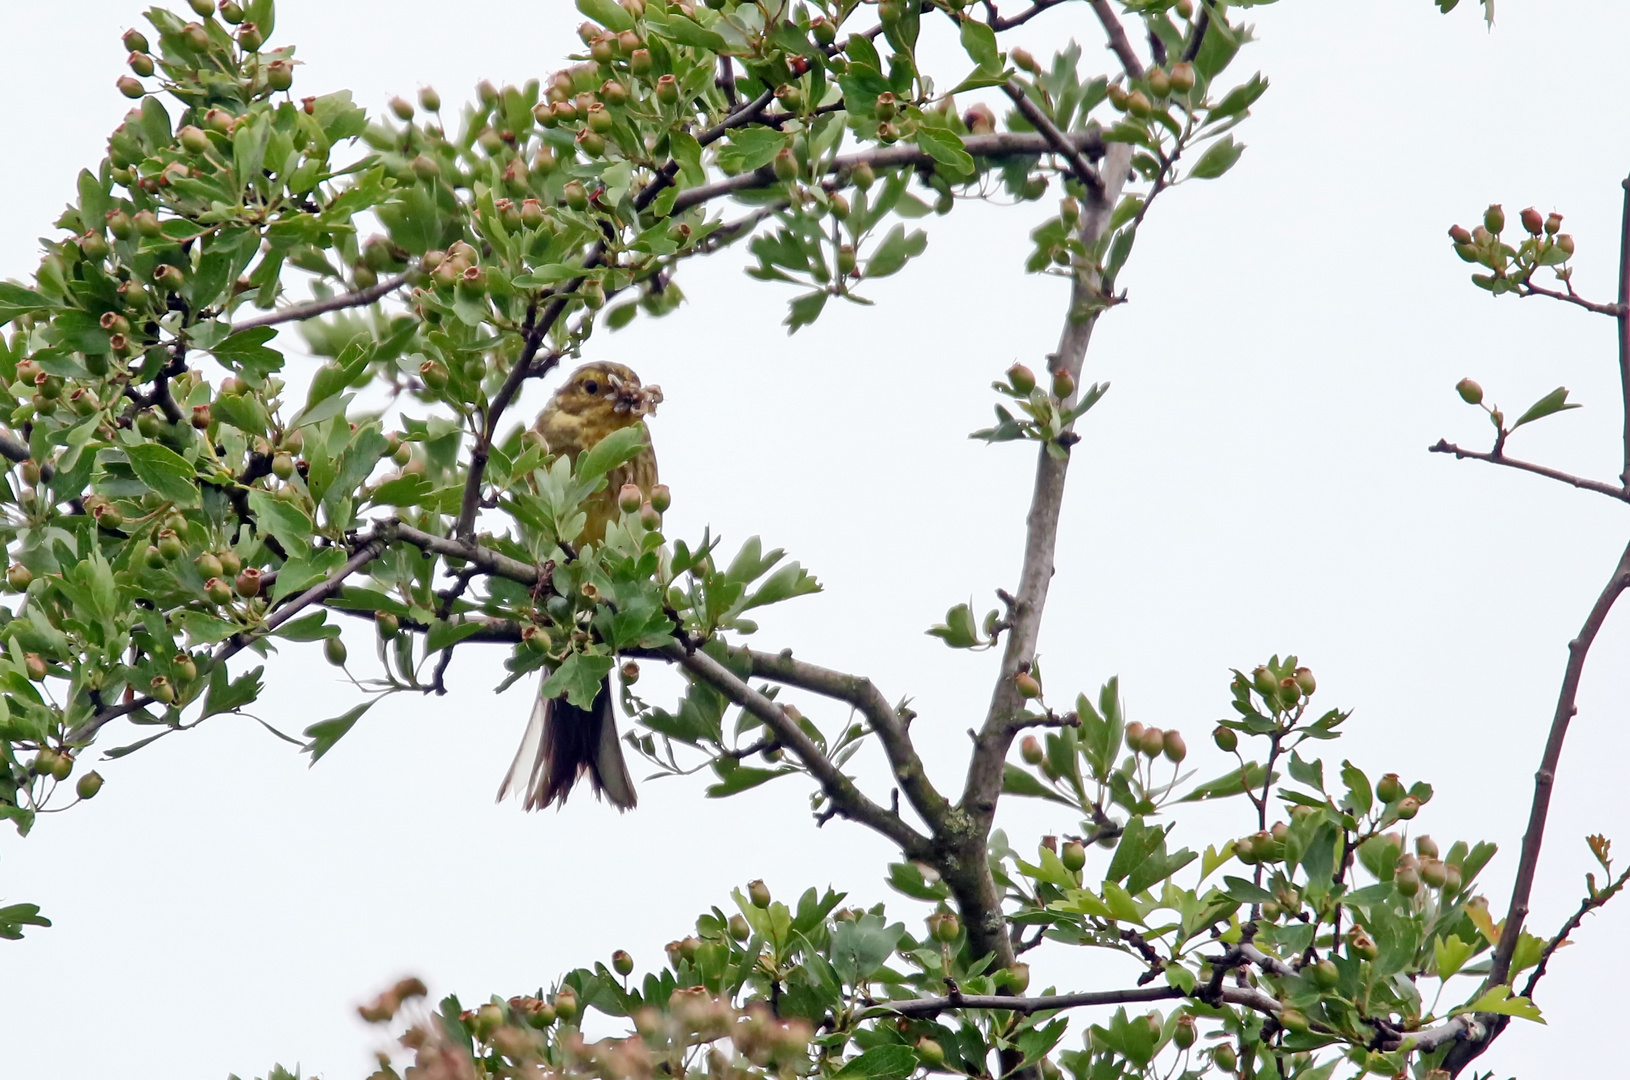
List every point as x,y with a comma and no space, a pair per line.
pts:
173,504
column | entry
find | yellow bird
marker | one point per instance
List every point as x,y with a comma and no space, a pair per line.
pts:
562,741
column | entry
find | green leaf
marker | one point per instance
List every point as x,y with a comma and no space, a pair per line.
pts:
979,42
247,349
897,247
735,777
16,301
945,147
1237,100
862,947
678,28
1554,402
750,148
409,489
1246,892
224,696
1251,776
443,634
1218,159
164,472
1499,999
607,13
283,520
959,630
1359,796
618,448
805,309
13,917
324,734
886,1061
578,677
1451,955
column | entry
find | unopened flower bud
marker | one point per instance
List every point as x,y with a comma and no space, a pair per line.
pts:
1469,391
1182,77
1023,60
1564,244
621,962
1408,807
1532,222
1175,748
1073,855
661,498
1494,219
1553,224
88,785
1389,788
1134,736
1063,384
758,893
1225,738
1459,234
1152,742
930,1053
1030,750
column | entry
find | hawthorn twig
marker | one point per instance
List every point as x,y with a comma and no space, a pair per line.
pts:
1443,446
313,308
1588,905
1049,130
1527,288
1251,999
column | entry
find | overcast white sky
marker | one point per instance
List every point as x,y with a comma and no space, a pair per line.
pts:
1256,481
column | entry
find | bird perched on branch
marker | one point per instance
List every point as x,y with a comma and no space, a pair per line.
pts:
562,741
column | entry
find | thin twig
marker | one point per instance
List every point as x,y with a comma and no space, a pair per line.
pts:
1623,315
1192,49
1044,124
1445,447
1251,999
901,154
313,308
1588,905
1526,288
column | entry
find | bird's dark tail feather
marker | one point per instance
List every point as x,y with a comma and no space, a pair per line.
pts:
562,743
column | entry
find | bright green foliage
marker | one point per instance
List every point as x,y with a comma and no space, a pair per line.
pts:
174,503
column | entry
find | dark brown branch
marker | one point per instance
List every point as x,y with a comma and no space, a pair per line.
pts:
1118,42
1049,130
1586,906
1022,17
485,559
13,449
1251,999
860,692
313,308
1002,144
1203,24
1445,447
847,800
1545,778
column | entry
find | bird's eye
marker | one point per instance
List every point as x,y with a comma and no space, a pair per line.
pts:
590,386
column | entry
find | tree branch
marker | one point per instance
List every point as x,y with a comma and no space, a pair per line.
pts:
860,692
370,550
1002,144
1251,999
313,308
1623,315
1118,42
1526,288
846,798
1203,24
1445,447
1044,124
1545,778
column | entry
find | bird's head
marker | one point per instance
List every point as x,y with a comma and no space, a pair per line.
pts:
608,393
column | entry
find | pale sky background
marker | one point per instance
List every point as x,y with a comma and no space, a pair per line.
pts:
1256,481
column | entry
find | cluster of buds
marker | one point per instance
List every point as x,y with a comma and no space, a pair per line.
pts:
1152,742
1283,691
1425,868
1390,790
208,44
1511,267
1158,84
1267,846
